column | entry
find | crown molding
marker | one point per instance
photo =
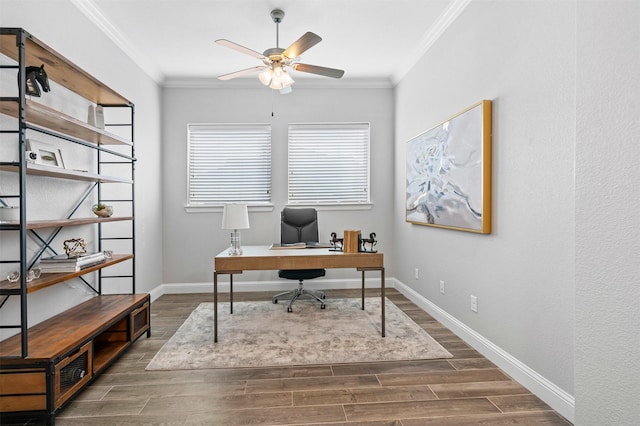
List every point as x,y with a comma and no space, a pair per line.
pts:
254,83
446,18
95,15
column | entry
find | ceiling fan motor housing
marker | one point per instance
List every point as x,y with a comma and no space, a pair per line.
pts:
275,53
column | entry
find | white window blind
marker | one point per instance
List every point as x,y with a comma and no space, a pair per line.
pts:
329,163
229,163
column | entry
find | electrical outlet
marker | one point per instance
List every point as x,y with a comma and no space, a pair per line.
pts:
417,273
441,287
474,303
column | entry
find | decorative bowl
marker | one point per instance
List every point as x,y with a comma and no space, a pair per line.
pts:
102,210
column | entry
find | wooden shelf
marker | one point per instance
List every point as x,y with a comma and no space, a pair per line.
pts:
40,224
55,337
41,115
59,172
47,280
105,353
61,70
43,224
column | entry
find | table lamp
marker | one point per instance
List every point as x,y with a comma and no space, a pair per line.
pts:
235,216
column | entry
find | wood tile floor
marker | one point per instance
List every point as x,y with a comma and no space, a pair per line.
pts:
464,390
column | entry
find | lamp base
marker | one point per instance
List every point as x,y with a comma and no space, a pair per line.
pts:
234,247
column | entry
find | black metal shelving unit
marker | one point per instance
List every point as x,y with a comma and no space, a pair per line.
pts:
22,49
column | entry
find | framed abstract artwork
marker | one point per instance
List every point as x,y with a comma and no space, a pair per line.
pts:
449,173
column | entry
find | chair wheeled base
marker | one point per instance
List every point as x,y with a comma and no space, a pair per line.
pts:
299,293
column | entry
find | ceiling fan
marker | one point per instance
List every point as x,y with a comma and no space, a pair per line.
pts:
276,60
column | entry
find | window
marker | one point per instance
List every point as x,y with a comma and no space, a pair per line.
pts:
329,163
229,163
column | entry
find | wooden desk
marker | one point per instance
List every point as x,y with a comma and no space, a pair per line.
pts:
260,258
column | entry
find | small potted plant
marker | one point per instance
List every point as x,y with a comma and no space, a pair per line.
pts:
102,210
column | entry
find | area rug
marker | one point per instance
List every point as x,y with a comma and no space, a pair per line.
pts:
260,334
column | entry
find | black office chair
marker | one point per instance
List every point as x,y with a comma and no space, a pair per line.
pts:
296,226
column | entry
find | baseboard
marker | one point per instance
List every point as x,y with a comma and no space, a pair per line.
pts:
551,394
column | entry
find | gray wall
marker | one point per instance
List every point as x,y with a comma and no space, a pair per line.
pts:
607,370
563,255
521,55
193,239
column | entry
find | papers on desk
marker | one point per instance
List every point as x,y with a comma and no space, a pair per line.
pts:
311,244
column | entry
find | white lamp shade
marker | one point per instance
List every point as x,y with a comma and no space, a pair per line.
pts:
235,216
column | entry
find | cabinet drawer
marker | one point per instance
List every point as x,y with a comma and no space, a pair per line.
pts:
71,374
22,390
139,321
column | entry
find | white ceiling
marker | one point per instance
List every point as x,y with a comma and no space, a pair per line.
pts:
372,40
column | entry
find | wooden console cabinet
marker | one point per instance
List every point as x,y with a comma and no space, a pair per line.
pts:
68,351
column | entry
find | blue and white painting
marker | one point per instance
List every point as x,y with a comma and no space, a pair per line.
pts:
446,181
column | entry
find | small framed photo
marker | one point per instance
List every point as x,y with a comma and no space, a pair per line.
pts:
45,154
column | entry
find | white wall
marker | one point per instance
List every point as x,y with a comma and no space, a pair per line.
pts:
193,239
607,205
61,26
521,55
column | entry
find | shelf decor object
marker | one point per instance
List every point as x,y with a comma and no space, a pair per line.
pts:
45,154
102,210
75,247
235,216
36,78
9,214
449,173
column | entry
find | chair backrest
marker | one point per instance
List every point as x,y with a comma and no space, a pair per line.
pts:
298,225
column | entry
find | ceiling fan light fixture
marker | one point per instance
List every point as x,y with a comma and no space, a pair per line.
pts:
287,79
266,76
278,78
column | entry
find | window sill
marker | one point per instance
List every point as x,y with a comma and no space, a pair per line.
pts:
220,207
270,207
334,207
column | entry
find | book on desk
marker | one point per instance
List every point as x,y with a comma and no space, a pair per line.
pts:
310,244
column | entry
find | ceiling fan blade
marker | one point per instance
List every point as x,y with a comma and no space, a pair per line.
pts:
241,72
307,41
314,69
239,48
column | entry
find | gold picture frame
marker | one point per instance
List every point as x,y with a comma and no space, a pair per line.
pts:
448,173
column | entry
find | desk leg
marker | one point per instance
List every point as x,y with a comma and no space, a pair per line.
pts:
382,288
382,294
231,293
215,306
363,289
